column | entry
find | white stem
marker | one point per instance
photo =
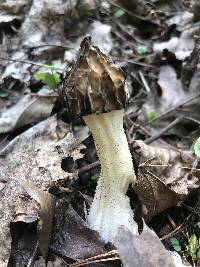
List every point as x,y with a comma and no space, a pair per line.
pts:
111,207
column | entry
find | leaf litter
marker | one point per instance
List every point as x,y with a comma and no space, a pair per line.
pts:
163,178
31,165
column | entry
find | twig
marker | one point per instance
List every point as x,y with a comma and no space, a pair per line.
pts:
166,129
127,11
175,107
146,132
172,233
33,256
109,256
144,82
135,62
49,45
39,95
88,167
95,261
4,140
190,209
26,62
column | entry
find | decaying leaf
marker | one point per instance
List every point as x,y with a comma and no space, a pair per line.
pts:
181,47
191,66
144,250
175,100
46,212
72,237
163,178
172,92
101,36
182,19
33,156
28,110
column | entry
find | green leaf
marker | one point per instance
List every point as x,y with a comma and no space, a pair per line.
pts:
151,116
198,254
198,224
174,241
95,177
177,247
197,147
119,13
141,49
49,67
193,245
77,128
40,76
52,80
4,94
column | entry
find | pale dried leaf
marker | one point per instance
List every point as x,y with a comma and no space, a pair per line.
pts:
72,237
28,110
181,19
163,177
145,250
36,156
181,47
101,36
46,212
172,92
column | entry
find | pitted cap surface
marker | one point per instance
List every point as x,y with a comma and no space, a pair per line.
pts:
94,84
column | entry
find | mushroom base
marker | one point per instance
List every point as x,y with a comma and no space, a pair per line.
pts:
111,207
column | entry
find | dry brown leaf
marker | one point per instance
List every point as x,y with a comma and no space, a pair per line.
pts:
28,110
145,250
72,237
163,178
46,212
35,156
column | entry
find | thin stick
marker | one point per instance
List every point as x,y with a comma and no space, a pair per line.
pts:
146,132
45,96
166,129
135,62
89,167
26,62
95,261
33,256
49,45
175,107
171,233
97,258
144,82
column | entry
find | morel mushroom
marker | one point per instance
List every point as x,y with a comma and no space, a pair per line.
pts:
95,88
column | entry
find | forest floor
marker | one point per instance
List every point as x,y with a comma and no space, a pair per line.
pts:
49,167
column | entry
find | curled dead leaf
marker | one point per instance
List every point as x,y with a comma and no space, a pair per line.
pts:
143,250
47,203
163,178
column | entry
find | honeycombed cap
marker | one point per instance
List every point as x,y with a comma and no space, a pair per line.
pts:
94,84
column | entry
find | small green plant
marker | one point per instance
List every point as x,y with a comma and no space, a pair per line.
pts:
175,243
4,93
151,116
50,78
95,177
198,224
119,13
197,147
141,49
194,247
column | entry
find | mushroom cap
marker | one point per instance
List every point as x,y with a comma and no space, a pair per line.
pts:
94,84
